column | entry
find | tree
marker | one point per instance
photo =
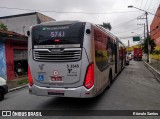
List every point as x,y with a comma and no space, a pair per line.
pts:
106,25
3,27
145,45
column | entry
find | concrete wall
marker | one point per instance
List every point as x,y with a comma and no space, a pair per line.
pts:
20,24
44,18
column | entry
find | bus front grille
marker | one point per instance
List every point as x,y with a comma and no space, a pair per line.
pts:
55,55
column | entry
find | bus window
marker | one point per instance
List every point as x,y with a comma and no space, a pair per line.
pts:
51,35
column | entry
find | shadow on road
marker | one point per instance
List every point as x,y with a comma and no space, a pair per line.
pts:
63,103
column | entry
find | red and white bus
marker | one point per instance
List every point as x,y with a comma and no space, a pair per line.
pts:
72,59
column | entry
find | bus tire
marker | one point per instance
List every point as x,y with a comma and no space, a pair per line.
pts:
1,95
110,79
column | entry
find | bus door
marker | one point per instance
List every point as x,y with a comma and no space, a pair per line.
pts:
115,52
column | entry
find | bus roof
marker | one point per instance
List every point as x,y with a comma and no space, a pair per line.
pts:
65,22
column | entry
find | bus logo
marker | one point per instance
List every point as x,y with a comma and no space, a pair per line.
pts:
55,73
41,67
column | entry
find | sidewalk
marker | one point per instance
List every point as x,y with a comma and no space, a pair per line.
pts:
20,81
155,64
154,69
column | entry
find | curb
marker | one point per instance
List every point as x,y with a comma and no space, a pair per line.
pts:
155,72
17,88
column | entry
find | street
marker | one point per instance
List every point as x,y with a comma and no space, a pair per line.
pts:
134,89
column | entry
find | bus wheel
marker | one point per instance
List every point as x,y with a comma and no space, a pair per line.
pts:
110,80
1,95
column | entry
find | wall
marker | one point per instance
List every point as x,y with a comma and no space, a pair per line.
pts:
155,27
43,18
9,60
2,61
20,24
10,45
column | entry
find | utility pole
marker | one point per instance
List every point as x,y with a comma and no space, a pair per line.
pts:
144,30
147,38
146,13
148,46
148,51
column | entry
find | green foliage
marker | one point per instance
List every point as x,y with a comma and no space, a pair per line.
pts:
23,81
145,45
156,52
106,25
3,27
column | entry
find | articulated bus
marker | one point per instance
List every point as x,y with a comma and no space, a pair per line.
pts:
72,59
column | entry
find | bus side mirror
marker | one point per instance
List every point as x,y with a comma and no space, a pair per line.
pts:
28,33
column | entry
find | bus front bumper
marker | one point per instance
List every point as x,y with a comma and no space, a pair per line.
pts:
79,92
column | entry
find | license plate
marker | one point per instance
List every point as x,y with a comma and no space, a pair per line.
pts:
54,93
57,79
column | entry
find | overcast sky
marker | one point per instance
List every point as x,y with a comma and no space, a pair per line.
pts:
122,19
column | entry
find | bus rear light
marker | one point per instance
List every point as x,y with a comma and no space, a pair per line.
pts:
30,90
89,79
56,40
30,76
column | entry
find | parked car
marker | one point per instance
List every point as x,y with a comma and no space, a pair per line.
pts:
127,60
129,55
3,88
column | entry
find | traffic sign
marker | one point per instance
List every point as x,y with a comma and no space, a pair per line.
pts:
137,38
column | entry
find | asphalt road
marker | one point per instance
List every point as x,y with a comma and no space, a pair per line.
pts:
134,89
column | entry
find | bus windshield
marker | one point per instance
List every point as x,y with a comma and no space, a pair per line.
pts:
51,35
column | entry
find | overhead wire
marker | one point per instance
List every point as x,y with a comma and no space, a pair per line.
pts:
149,4
129,30
130,36
145,5
79,12
124,23
116,12
141,4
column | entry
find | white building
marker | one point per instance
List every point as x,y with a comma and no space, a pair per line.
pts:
21,23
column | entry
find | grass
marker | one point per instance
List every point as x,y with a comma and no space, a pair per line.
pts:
156,57
157,48
23,81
